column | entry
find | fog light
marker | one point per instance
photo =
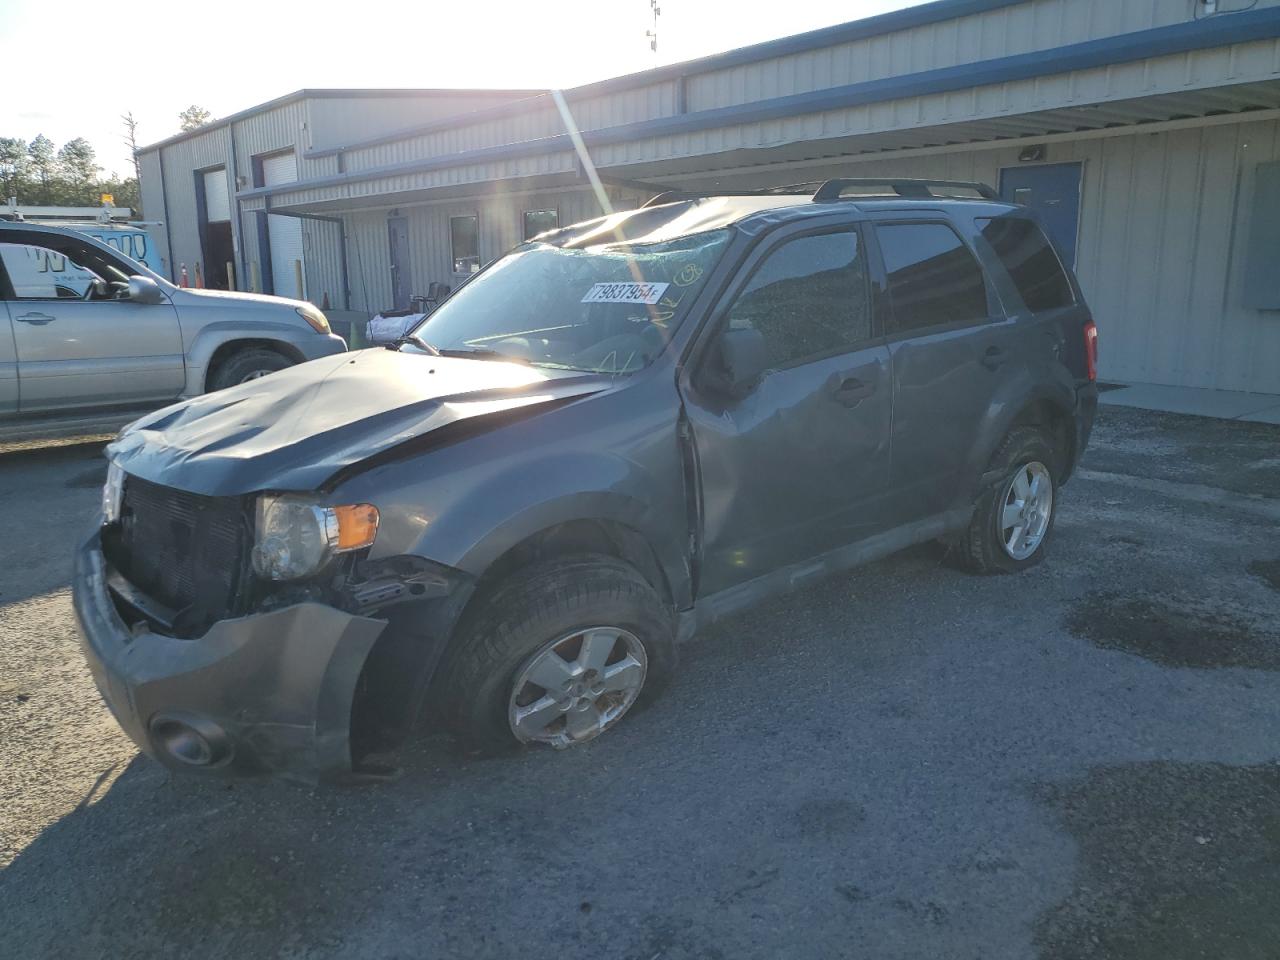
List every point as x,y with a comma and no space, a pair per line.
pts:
188,740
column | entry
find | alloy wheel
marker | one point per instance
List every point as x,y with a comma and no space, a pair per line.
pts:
1025,510
577,686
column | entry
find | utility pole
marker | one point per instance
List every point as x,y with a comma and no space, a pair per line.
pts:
652,34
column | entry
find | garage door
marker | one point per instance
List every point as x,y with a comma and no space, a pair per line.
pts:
217,198
284,234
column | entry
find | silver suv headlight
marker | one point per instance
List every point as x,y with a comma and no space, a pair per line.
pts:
294,537
319,322
112,493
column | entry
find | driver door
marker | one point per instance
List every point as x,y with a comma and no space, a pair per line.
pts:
74,350
800,465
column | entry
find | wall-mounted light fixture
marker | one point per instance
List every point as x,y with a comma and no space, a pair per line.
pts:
1035,152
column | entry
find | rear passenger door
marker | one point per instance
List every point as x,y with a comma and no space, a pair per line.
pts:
949,344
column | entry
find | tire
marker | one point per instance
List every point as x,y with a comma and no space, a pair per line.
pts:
247,364
508,628
1025,454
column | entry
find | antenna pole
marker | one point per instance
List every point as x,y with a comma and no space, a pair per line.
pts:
655,11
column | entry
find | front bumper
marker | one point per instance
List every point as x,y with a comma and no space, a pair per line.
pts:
269,692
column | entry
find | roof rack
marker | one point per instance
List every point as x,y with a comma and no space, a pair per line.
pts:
834,189
829,190
787,190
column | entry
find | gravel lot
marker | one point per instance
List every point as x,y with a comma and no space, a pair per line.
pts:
1079,762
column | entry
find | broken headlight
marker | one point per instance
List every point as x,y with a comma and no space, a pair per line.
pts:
112,493
294,537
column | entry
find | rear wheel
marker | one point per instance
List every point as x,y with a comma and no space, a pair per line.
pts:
245,365
1013,520
556,655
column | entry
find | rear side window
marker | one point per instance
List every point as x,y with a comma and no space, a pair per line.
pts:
1026,253
808,298
933,278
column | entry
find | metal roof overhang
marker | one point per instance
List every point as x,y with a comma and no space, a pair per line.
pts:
1255,101
1127,48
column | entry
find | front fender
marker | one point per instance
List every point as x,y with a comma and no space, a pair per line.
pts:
468,521
210,336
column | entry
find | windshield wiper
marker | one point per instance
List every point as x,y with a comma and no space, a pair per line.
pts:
417,341
481,353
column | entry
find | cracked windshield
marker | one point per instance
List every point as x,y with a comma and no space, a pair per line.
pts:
602,309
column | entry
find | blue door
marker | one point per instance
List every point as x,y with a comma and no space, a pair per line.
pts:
1053,191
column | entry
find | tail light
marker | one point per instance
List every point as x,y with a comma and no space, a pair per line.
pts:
1091,349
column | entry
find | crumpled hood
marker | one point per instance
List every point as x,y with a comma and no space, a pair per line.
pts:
296,428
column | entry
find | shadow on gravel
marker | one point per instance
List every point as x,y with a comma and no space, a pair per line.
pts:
1178,861
1172,633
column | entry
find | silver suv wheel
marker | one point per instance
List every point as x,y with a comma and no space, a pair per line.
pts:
1027,507
576,687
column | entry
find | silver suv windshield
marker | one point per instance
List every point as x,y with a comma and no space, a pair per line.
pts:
610,308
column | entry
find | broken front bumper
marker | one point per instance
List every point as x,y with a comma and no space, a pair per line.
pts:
266,693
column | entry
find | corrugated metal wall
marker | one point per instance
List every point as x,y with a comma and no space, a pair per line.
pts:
1164,223
1021,28
153,206
1173,74
337,121
499,219
181,160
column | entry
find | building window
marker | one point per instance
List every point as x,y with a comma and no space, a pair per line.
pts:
539,221
464,233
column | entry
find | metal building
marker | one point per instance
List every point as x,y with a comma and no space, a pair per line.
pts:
1147,132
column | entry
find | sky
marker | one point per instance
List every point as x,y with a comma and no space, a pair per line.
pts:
65,78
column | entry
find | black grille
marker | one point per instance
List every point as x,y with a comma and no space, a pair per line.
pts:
185,550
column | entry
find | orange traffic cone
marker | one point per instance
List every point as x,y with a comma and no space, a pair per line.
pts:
182,281
199,278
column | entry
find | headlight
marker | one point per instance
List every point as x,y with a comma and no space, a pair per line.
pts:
112,493
318,321
294,537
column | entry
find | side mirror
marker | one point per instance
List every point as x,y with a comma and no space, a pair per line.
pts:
742,357
144,290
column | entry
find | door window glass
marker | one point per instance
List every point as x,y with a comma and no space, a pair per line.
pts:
808,298
40,273
464,233
1033,266
933,278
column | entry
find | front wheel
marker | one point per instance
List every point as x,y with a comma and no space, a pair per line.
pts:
1012,521
556,655
246,365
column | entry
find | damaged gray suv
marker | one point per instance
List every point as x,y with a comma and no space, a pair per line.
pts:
612,436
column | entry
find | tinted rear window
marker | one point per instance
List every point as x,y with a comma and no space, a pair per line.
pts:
1025,252
933,278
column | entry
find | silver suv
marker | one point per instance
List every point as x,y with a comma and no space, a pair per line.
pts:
93,334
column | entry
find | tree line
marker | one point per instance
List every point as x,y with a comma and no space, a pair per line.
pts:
40,173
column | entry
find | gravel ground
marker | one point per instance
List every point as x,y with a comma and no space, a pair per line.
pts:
1078,762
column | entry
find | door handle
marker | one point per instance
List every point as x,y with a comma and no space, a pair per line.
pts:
39,319
853,391
994,357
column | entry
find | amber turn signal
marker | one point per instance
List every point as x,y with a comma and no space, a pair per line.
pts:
357,526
